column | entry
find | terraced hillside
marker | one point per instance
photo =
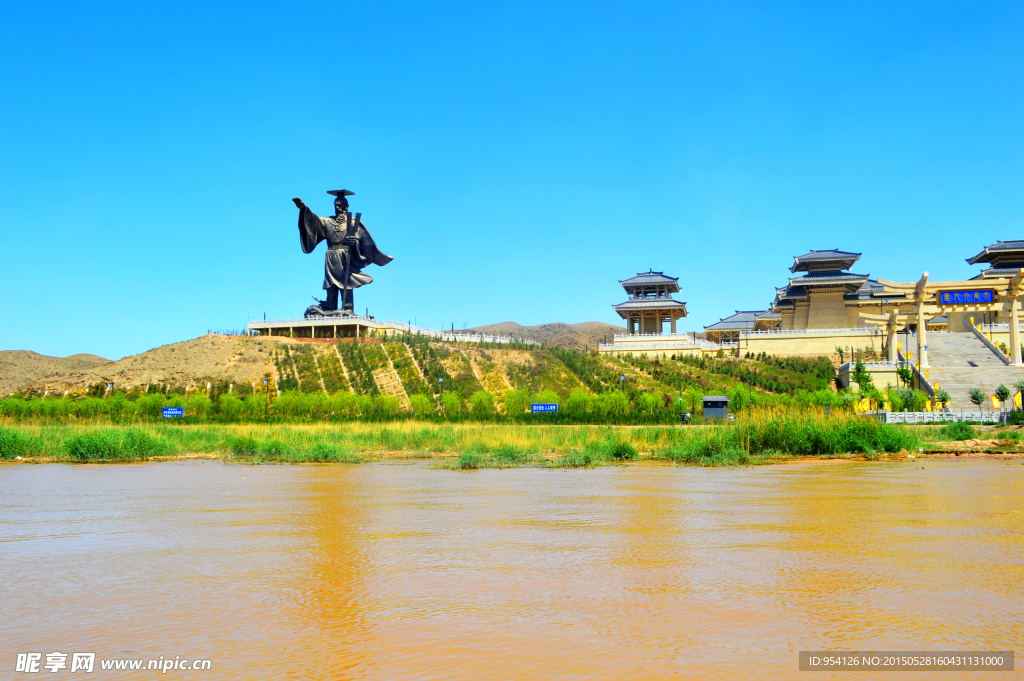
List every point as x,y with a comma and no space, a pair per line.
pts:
415,372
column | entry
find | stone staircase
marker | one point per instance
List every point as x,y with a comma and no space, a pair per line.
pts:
959,362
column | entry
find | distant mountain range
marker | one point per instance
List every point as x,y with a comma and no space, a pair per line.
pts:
572,336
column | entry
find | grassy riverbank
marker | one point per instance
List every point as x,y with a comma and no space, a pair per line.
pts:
759,436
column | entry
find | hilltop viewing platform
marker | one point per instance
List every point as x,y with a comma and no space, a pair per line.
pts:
359,326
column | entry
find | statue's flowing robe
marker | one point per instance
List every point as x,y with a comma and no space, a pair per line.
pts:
313,229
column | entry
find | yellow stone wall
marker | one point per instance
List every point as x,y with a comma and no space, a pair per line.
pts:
881,378
800,315
663,353
811,345
827,310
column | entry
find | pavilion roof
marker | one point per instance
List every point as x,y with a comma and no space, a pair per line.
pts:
831,277
872,290
651,304
652,278
1000,250
997,272
832,258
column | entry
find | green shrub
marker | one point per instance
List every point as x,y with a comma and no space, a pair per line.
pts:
510,454
623,451
274,450
13,444
323,452
576,460
1011,435
958,431
114,444
244,447
468,461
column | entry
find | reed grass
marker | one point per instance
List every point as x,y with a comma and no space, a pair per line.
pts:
757,436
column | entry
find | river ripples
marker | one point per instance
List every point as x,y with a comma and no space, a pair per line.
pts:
405,572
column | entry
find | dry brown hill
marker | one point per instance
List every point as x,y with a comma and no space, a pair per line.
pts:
573,336
236,359
21,368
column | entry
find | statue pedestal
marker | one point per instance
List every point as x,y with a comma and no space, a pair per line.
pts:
332,324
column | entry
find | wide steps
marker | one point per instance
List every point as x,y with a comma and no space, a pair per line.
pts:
959,350
959,361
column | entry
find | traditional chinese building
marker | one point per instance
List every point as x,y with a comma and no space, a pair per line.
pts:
827,295
1005,259
728,329
649,306
650,303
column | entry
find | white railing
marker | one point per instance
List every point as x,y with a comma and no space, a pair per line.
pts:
943,416
658,346
627,336
402,326
856,331
849,366
999,327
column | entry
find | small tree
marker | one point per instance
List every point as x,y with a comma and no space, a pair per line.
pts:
547,396
421,404
905,374
614,403
515,402
977,396
578,403
942,397
649,401
1019,385
1002,393
452,402
862,377
482,404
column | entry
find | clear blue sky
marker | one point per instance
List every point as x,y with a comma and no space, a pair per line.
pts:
516,159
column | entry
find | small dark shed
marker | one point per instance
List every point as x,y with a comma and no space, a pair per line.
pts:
716,407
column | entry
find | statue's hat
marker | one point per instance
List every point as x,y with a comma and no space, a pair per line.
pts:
341,192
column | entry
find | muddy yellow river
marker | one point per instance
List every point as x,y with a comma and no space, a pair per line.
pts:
401,571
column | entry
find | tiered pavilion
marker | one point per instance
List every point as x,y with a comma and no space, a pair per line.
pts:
648,307
650,303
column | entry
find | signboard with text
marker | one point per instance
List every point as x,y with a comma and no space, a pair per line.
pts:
174,412
966,297
543,408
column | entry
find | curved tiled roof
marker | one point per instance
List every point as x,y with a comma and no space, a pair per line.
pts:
998,251
740,320
821,278
648,278
844,259
1000,271
650,304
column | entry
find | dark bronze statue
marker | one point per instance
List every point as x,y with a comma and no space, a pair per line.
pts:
350,248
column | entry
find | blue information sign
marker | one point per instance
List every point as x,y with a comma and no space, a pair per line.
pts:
966,297
543,408
173,412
